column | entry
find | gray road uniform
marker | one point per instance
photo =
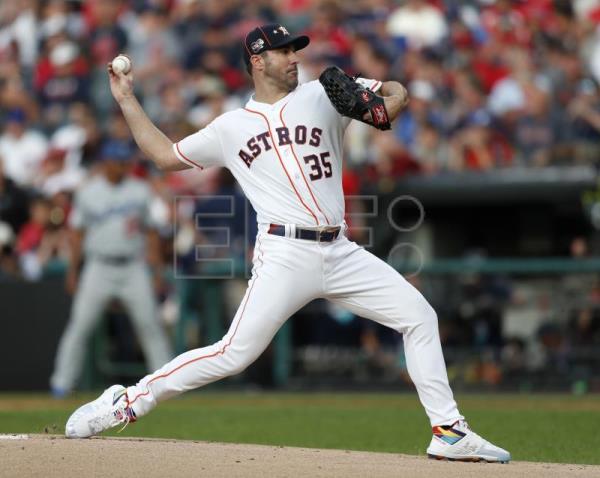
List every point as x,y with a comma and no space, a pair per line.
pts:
115,219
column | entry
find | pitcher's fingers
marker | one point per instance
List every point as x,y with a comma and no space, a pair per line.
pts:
111,72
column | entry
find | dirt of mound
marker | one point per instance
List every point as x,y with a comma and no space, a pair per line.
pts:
54,456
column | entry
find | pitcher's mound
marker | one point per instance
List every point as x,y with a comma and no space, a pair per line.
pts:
55,456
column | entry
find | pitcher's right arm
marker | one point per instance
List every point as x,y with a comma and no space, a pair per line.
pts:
152,141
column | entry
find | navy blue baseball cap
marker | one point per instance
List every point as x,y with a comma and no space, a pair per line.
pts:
271,37
115,150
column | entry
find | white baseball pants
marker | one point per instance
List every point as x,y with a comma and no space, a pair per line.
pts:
287,274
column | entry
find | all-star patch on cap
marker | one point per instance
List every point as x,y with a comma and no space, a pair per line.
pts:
271,37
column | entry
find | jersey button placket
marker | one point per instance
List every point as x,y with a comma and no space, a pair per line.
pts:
289,159
288,155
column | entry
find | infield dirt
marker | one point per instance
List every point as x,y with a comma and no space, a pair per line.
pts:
54,456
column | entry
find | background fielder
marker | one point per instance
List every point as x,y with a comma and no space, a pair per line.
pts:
285,150
112,222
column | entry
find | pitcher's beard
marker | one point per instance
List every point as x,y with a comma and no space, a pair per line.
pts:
287,81
293,84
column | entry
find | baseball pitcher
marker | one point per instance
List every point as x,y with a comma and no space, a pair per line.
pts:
285,150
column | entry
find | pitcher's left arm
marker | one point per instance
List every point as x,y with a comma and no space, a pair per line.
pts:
395,98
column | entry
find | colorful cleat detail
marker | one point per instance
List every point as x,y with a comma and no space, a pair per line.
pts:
457,442
448,434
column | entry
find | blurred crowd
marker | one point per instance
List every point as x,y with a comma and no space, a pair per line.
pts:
493,84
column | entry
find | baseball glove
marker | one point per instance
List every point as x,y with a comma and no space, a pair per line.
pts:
354,100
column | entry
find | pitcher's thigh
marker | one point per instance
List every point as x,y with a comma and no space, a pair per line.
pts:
269,301
371,288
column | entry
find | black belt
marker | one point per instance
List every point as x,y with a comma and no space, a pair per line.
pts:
327,235
115,260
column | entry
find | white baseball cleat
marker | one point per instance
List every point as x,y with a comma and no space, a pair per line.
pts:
457,442
108,410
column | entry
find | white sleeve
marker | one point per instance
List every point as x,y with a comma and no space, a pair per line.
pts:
201,149
373,85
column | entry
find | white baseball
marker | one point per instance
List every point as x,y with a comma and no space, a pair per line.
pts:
121,64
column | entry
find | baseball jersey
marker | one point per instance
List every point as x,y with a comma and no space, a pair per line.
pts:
286,156
114,216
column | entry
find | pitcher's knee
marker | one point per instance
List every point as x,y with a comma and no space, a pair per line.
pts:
236,362
427,315
236,368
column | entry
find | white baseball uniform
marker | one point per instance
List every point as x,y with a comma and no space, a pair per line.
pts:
287,157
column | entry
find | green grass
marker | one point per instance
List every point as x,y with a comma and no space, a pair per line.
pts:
533,427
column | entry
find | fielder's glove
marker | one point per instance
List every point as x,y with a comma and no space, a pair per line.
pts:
353,100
